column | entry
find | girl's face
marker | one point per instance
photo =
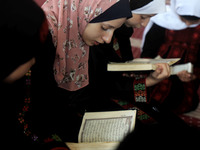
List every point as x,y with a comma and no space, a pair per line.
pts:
138,20
102,32
190,22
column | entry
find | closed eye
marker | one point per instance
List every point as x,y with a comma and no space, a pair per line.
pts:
144,17
104,28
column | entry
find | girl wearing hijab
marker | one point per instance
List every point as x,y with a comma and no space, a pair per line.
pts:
143,10
24,31
25,27
176,34
119,87
74,25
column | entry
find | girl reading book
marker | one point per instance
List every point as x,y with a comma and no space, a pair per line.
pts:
176,34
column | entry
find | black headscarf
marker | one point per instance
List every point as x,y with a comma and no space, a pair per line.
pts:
135,4
111,13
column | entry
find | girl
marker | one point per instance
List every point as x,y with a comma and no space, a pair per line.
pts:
176,34
74,25
119,50
24,31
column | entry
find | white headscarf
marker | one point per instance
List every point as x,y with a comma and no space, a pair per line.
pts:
170,19
188,7
154,7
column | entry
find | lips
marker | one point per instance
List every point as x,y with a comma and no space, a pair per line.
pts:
96,43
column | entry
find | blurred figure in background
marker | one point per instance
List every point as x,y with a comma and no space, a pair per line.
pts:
176,34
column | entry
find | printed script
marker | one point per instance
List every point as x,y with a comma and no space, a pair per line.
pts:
106,129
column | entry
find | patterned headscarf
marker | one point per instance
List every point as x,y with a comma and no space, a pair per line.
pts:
67,21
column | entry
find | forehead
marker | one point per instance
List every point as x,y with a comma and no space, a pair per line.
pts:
114,23
148,15
190,21
144,15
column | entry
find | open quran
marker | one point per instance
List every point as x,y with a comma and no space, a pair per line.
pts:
104,130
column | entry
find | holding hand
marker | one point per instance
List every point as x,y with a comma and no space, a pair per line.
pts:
185,76
162,72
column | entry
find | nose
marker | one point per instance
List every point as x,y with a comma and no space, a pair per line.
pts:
107,36
145,22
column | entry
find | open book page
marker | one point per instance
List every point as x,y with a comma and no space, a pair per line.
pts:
110,126
93,146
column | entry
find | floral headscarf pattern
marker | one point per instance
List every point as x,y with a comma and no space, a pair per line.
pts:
67,21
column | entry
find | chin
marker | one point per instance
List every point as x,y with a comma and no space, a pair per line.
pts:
88,43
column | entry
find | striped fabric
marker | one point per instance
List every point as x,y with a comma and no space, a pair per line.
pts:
136,41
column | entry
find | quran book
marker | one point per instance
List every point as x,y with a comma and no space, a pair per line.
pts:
140,64
110,126
104,130
180,67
